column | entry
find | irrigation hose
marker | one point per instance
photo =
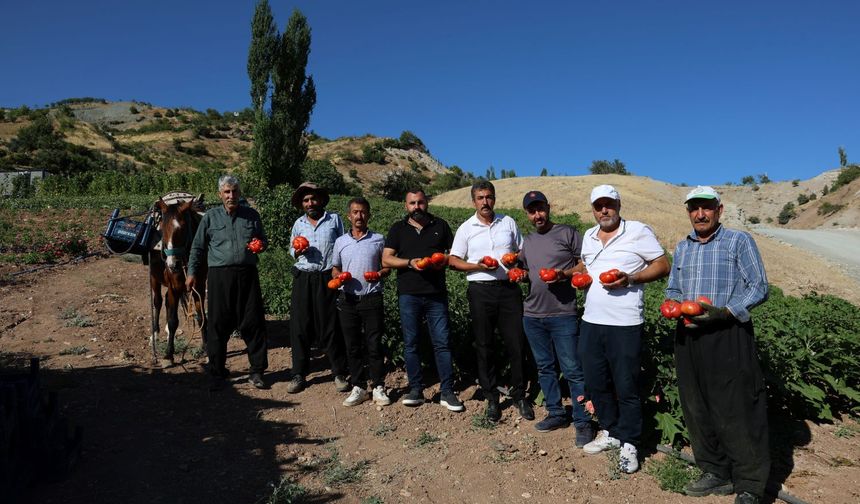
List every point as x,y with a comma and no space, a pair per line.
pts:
771,488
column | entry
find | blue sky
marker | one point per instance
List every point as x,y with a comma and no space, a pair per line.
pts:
696,92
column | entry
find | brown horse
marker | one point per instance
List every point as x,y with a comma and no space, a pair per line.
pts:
178,225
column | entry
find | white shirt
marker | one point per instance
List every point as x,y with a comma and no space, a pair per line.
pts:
630,250
474,240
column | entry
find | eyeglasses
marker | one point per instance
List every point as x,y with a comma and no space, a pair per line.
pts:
695,207
597,206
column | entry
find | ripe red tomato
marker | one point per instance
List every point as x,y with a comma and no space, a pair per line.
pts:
371,276
548,275
580,280
490,262
334,283
704,299
670,309
255,246
300,243
423,263
516,274
510,258
607,277
691,308
439,259
344,277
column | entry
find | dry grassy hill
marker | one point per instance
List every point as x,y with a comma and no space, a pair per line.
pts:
661,205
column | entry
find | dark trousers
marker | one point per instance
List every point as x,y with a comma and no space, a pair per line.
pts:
497,305
235,302
313,321
611,359
723,398
361,320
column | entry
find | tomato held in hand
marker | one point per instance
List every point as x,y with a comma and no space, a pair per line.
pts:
580,280
691,308
423,263
300,243
510,258
516,275
334,283
607,277
704,299
372,276
255,246
345,277
670,309
490,262
548,275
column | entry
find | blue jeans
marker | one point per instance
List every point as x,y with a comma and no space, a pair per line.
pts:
553,337
434,309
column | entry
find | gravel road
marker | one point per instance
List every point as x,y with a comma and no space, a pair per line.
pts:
841,246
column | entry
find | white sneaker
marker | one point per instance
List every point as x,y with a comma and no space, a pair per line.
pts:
603,441
380,397
356,397
628,460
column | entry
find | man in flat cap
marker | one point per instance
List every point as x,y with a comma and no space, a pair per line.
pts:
720,381
313,310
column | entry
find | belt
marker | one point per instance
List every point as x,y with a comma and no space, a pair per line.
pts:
489,282
356,298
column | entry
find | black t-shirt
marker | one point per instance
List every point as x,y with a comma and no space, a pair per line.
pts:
409,243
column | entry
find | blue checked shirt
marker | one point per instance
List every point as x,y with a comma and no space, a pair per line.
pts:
359,256
727,268
318,256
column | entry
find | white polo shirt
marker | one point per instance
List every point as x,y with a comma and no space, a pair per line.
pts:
474,240
632,247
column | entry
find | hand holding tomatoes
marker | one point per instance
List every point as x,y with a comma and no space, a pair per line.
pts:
580,280
423,263
439,260
334,283
345,277
255,246
301,244
489,262
516,275
548,275
671,309
372,276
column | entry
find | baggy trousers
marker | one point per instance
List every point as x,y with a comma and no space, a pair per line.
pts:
313,320
723,398
361,319
498,305
235,302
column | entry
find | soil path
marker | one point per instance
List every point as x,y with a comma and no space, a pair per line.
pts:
156,435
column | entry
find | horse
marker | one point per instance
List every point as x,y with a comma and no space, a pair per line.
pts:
178,223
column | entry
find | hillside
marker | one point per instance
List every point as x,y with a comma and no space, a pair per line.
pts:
661,205
141,136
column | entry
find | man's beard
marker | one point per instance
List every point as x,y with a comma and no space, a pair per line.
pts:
315,212
418,215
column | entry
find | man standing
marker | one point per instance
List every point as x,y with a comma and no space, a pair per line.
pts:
720,381
494,302
313,312
610,341
550,315
422,294
360,309
235,300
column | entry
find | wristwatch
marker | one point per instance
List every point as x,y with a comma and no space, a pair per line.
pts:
409,264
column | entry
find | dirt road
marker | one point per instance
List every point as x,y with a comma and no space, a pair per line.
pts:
841,246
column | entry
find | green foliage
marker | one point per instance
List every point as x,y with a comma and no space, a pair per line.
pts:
544,173
373,153
763,179
672,473
287,491
828,208
753,219
491,173
602,167
481,422
336,472
324,174
846,175
425,438
394,186
802,199
843,157
795,182
748,180
115,182
787,213
454,178
133,110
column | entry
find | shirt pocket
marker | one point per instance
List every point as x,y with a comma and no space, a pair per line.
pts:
245,231
218,235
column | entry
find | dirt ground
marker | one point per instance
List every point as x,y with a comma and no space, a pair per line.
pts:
155,434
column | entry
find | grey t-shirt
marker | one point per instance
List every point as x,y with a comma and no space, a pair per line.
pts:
558,248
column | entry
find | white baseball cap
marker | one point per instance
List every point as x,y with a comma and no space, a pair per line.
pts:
703,192
604,191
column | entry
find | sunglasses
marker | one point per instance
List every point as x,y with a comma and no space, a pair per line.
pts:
704,205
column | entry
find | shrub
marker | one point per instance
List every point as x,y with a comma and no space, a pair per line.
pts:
748,180
601,167
846,175
788,212
395,184
133,110
373,153
828,208
795,182
753,219
802,199
763,179
324,174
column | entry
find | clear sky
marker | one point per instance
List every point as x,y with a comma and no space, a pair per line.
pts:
679,90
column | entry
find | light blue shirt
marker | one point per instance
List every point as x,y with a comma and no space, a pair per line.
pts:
359,256
318,256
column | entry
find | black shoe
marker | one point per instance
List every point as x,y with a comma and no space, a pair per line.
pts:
584,435
709,484
525,409
551,423
746,498
413,398
256,379
493,413
450,401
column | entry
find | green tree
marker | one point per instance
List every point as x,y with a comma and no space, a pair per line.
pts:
748,180
763,179
603,167
544,173
843,157
491,173
280,144
395,184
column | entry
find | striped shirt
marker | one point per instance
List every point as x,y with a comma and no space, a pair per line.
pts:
321,237
727,268
359,256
